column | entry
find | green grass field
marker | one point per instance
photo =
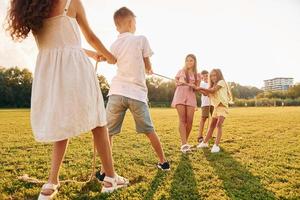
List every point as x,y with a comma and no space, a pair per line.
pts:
260,159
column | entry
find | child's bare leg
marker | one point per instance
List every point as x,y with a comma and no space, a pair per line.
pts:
219,128
58,153
189,120
201,127
104,150
155,142
211,129
182,123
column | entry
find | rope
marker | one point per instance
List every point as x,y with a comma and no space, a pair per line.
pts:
171,79
163,76
28,179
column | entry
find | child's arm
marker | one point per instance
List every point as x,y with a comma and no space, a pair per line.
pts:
89,35
94,55
209,90
148,66
201,90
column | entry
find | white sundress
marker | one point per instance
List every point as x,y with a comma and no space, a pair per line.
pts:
66,98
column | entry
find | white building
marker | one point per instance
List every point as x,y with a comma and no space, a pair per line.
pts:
278,84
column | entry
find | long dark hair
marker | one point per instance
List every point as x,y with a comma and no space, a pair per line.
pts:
27,15
194,68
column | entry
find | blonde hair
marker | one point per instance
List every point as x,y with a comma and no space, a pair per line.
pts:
220,76
121,14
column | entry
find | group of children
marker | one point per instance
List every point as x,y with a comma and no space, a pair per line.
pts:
66,98
214,100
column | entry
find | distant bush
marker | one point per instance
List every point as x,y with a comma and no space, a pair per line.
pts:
160,104
266,102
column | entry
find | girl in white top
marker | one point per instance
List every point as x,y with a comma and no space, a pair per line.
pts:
66,98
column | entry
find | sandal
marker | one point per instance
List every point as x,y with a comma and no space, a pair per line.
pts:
185,148
120,180
113,184
49,186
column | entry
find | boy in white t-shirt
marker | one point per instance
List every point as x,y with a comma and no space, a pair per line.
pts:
206,107
128,88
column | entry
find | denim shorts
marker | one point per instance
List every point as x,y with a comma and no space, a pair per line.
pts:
116,109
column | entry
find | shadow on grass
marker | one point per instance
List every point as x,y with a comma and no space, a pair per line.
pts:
156,182
184,185
238,182
92,186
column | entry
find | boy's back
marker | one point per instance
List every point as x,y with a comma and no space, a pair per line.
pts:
130,51
128,88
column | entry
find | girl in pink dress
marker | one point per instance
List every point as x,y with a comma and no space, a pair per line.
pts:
185,99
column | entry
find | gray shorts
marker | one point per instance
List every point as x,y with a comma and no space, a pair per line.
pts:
116,109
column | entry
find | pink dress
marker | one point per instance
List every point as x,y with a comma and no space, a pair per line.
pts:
185,95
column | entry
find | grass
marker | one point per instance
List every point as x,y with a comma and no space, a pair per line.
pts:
260,159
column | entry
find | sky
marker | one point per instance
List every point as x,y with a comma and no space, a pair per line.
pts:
249,40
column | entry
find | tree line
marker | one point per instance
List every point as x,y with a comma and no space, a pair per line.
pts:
16,83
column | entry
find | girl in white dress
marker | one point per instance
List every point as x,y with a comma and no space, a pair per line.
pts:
66,98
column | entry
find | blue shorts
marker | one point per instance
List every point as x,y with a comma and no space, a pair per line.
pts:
116,109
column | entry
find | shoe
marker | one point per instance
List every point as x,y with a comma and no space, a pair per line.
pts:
186,148
215,149
200,139
120,180
202,145
114,184
49,186
164,166
100,176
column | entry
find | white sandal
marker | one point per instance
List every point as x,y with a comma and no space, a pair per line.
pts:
121,180
49,186
114,184
185,148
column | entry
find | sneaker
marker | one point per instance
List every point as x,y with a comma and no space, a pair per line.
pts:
164,166
202,145
100,176
215,149
200,139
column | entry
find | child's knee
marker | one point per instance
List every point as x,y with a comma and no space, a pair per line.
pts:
151,134
182,120
189,121
203,119
219,124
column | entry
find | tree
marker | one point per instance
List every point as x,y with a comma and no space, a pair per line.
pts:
15,87
244,92
294,92
104,86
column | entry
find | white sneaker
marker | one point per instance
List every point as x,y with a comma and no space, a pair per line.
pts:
202,145
215,149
